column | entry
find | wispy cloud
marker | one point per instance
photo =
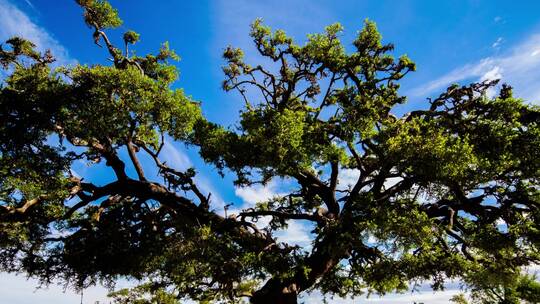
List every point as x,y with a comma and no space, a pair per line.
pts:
216,201
176,158
29,3
347,178
14,22
519,68
296,233
497,43
258,193
499,19
251,195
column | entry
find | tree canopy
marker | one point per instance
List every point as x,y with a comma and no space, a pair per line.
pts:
448,191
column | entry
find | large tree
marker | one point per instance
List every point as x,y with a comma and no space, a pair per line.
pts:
449,191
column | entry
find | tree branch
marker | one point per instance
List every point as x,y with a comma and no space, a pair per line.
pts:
133,156
282,215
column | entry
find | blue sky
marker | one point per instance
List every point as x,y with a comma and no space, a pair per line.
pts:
451,41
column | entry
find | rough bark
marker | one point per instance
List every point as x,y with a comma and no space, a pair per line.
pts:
320,263
276,292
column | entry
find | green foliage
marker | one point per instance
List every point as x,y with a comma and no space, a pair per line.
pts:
430,152
459,299
100,13
51,118
131,37
285,124
517,289
143,294
21,47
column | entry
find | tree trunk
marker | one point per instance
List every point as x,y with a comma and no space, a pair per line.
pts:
279,291
276,292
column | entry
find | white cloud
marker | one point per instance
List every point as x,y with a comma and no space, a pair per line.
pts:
519,68
205,185
252,195
75,173
257,193
497,43
392,181
418,297
19,290
430,297
499,20
29,4
494,73
297,233
179,160
347,178
14,22
533,269
174,157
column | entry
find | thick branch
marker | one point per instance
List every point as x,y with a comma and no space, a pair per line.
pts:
282,215
106,151
311,181
133,156
27,205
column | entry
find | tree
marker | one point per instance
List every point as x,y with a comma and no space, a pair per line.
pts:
450,191
523,289
459,299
